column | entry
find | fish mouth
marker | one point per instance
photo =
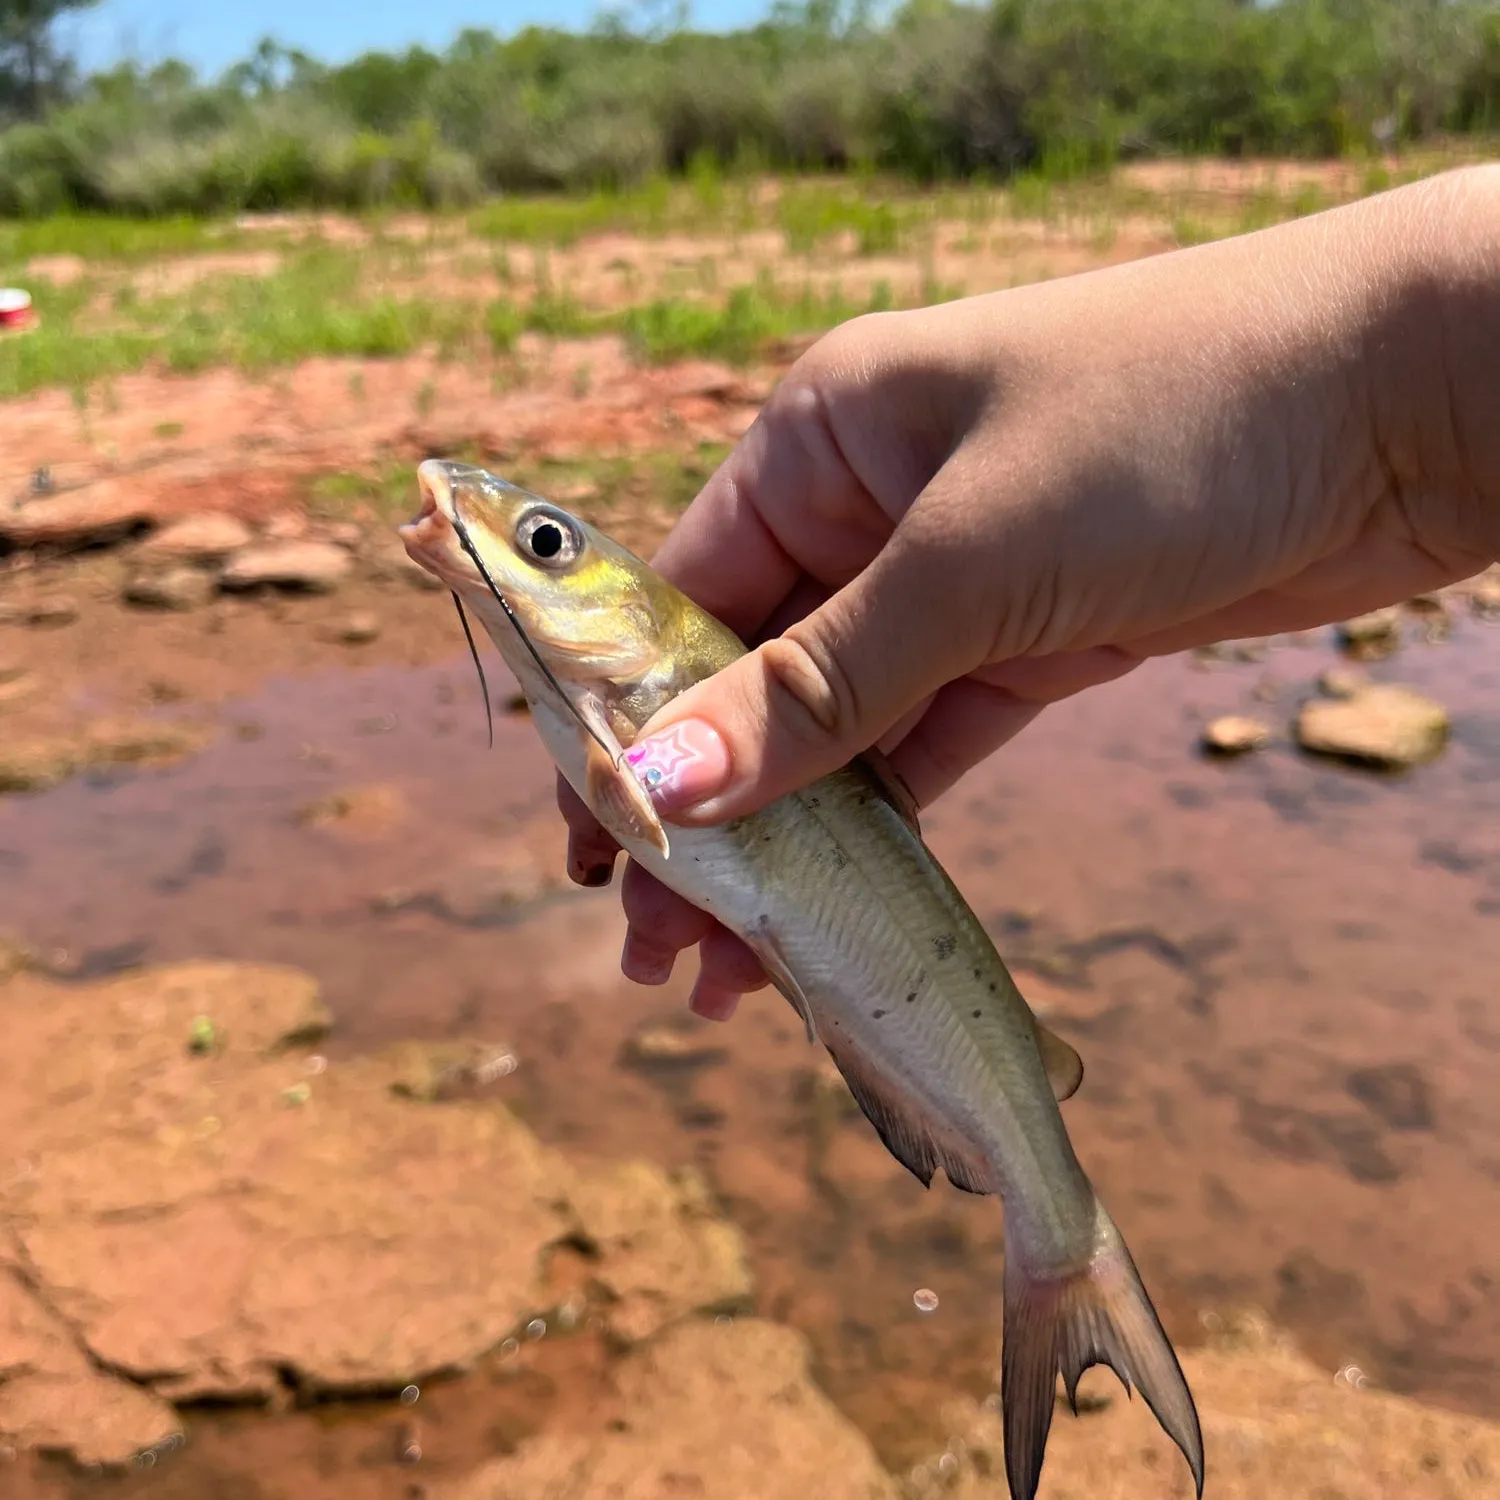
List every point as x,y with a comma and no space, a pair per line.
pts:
436,539
433,538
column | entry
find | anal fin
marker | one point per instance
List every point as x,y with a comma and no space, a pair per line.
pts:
907,1137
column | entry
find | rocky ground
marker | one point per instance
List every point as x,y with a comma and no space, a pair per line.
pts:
123,619
200,1208
237,1258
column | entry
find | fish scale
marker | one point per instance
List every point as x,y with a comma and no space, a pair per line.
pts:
850,914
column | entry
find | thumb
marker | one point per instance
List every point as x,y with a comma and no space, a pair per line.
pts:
804,703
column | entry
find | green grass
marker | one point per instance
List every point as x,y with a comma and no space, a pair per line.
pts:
331,302
592,487
311,307
109,237
739,328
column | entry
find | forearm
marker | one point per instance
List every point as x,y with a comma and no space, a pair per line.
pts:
1436,358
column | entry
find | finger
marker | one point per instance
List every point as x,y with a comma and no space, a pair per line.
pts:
800,705
658,914
591,851
789,500
727,970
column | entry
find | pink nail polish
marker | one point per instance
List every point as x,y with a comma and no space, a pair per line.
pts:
681,765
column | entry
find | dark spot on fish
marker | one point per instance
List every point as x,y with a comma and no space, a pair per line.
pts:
877,1014
911,997
945,944
838,859
979,973
812,801
977,1014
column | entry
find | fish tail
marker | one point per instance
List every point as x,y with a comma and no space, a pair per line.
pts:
1099,1315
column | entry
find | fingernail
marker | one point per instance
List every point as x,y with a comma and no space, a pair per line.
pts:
644,963
712,1003
682,765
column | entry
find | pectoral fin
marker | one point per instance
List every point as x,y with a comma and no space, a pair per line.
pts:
620,802
897,793
771,960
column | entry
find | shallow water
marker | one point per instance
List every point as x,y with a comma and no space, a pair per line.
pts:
1278,971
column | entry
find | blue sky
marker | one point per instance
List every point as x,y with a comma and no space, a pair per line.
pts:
211,34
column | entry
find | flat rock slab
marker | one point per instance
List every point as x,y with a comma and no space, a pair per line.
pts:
1273,1424
717,1412
313,567
1381,724
32,765
201,1211
202,538
98,513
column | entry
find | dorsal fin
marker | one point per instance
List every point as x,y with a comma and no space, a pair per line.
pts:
1063,1064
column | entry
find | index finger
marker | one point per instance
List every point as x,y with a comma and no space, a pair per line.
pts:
784,503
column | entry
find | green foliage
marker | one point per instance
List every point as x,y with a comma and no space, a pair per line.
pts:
1053,89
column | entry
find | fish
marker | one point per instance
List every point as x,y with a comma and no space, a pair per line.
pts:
855,921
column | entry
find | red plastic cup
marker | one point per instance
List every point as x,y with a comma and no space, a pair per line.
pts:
15,307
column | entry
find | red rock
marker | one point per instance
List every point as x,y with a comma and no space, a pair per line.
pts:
200,538
97,513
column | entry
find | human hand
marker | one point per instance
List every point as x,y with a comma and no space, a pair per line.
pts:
945,520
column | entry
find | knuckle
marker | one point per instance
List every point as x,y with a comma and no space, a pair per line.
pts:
807,689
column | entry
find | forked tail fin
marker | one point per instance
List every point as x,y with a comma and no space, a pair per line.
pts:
1098,1316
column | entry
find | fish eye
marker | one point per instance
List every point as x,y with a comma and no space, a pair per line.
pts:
549,538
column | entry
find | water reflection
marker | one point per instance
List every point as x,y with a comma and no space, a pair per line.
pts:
1279,973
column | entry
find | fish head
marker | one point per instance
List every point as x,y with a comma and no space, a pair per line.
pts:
551,590
597,639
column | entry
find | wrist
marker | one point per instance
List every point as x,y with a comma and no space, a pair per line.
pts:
1435,359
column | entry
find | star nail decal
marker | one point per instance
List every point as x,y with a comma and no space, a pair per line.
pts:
659,760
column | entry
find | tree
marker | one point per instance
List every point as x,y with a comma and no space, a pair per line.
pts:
30,66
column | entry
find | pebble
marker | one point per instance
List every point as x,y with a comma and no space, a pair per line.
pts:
1373,635
1234,734
58,610
171,588
1342,682
356,629
287,527
313,567
670,1046
1484,596
345,534
203,538
1381,725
